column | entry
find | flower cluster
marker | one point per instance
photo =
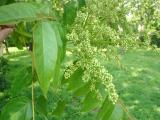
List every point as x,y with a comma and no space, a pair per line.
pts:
87,28
71,69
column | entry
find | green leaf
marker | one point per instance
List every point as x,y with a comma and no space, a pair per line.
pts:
17,109
56,80
105,110
61,53
16,12
75,81
62,34
57,74
82,91
120,113
45,52
70,11
117,114
81,3
60,108
21,80
90,102
41,105
56,27
85,89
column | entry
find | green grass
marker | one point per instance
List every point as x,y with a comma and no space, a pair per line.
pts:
137,81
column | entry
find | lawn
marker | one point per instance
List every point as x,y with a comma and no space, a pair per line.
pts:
137,80
138,83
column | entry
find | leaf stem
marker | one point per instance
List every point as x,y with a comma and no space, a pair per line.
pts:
33,112
33,102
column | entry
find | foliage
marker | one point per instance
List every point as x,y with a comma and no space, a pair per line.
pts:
4,82
20,109
51,28
145,14
3,70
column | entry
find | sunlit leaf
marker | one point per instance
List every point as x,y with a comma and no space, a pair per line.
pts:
45,52
57,75
16,12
